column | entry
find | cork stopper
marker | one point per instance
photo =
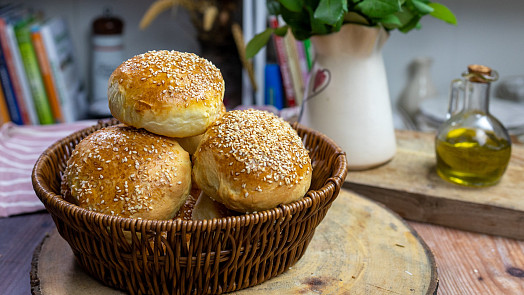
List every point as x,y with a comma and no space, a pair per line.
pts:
481,74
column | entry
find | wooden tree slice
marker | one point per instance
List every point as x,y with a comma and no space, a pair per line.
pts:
359,248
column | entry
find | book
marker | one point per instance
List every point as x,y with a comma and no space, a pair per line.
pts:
64,66
32,69
294,66
8,92
273,89
19,71
302,60
4,111
283,63
25,104
309,52
47,73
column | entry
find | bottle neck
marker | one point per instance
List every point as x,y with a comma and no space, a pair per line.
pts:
477,96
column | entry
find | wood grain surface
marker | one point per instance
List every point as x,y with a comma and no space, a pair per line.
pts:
19,235
359,248
471,263
410,186
467,263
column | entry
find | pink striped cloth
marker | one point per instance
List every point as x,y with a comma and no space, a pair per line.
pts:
20,147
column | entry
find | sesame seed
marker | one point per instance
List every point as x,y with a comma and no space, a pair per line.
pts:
268,156
176,72
128,187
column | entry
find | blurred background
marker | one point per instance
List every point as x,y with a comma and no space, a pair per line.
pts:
488,33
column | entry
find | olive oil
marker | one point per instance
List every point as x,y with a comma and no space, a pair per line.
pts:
473,148
472,157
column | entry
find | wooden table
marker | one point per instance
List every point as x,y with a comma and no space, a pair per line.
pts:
468,263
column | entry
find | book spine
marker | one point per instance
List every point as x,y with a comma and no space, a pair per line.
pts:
287,81
32,69
294,66
302,59
12,105
47,75
309,52
63,67
273,86
4,111
23,107
20,72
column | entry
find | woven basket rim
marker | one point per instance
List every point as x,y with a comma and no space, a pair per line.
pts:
48,197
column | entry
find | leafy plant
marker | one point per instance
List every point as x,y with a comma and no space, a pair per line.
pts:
306,18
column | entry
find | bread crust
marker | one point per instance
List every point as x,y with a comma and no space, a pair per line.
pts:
169,93
251,161
128,172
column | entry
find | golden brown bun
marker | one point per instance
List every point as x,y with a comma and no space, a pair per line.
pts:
170,93
129,172
251,161
207,208
190,143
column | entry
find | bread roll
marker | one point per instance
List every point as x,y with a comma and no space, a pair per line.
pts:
207,208
191,143
252,160
129,172
169,93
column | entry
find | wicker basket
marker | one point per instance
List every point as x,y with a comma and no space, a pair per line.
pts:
190,257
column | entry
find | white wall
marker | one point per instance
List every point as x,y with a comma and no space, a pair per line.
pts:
488,32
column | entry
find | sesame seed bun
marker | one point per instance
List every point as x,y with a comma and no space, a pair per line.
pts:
251,161
169,93
129,172
191,143
207,208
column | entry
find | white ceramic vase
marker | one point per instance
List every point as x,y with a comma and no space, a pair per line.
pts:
347,96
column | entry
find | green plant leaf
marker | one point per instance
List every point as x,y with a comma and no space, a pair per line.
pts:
404,16
273,7
422,7
390,22
298,21
331,11
411,24
355,18
318,27
378,8
292,5
281,31
443,13
260,40
306,18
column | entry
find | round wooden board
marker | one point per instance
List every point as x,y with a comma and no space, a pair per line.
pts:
359,248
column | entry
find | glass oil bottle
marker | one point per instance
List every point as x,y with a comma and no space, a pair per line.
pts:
472,147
